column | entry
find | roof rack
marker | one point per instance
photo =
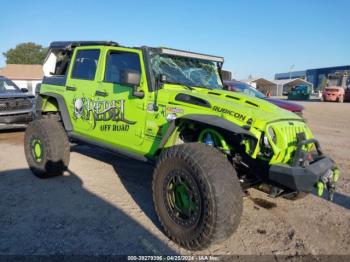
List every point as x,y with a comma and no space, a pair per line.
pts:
72,44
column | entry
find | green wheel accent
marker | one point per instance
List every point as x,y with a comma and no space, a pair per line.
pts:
37,151
183,199
320,188
336,174
180,197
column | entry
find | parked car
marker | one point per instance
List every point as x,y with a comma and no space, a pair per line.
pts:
237,86
16,105
333,94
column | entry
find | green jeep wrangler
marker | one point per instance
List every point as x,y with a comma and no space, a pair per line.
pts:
170,106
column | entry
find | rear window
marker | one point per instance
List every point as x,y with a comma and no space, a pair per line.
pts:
85,64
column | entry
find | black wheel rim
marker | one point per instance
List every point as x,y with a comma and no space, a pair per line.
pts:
182,198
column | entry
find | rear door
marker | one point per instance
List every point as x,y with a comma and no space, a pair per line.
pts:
80,89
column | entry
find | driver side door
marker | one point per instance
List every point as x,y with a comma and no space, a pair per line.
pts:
123,119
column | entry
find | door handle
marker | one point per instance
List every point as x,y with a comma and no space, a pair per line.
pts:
71,88
101,93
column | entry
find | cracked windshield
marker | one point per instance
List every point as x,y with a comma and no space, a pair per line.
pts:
187,71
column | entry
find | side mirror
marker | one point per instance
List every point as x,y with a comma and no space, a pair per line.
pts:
226,75
132,78
24,90
37,88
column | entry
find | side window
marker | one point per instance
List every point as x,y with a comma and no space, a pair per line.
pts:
62,62
56,63
85,64
117,62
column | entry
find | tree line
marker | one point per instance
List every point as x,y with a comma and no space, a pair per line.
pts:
26,53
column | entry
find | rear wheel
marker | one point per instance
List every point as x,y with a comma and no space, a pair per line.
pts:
341,99
46,148
197,195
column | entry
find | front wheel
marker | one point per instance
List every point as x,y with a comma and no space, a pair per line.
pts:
197,195
46,148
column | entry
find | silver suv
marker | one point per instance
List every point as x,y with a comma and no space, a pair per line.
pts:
16,105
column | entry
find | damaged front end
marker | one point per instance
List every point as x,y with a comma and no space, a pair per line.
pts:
297,163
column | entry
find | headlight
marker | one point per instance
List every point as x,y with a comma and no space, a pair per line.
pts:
266,141
272,134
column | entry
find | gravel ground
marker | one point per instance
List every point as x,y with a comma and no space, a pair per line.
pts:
103,205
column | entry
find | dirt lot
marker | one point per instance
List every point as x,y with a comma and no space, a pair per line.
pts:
103,205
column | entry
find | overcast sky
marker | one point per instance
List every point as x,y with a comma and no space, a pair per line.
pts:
260,37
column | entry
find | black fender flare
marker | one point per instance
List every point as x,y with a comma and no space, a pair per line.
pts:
210,120
62,107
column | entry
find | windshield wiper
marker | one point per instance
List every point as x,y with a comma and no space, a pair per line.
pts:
181,84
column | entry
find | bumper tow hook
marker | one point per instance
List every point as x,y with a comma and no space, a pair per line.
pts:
328,181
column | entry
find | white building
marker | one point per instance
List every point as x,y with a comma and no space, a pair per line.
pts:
24,76
263,85
285,85
276,87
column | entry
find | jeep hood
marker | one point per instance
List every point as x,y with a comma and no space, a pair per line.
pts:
235,106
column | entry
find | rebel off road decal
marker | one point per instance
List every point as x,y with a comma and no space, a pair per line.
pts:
229,112
102,111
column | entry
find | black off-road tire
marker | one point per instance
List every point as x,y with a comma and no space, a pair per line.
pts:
218,187
54,150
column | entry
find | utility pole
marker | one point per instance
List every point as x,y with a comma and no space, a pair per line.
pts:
290,71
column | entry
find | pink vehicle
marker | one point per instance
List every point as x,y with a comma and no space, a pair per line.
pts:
335,90
333,94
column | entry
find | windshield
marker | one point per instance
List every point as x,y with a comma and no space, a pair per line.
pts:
187,71
7,86
246,89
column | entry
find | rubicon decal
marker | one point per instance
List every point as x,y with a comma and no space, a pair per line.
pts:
101,110
230,112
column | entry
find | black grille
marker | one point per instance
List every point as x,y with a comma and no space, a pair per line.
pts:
15,104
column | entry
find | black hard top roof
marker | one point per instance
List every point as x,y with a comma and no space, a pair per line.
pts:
72,44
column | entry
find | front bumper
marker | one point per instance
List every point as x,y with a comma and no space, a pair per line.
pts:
23,118
301,179
302,176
